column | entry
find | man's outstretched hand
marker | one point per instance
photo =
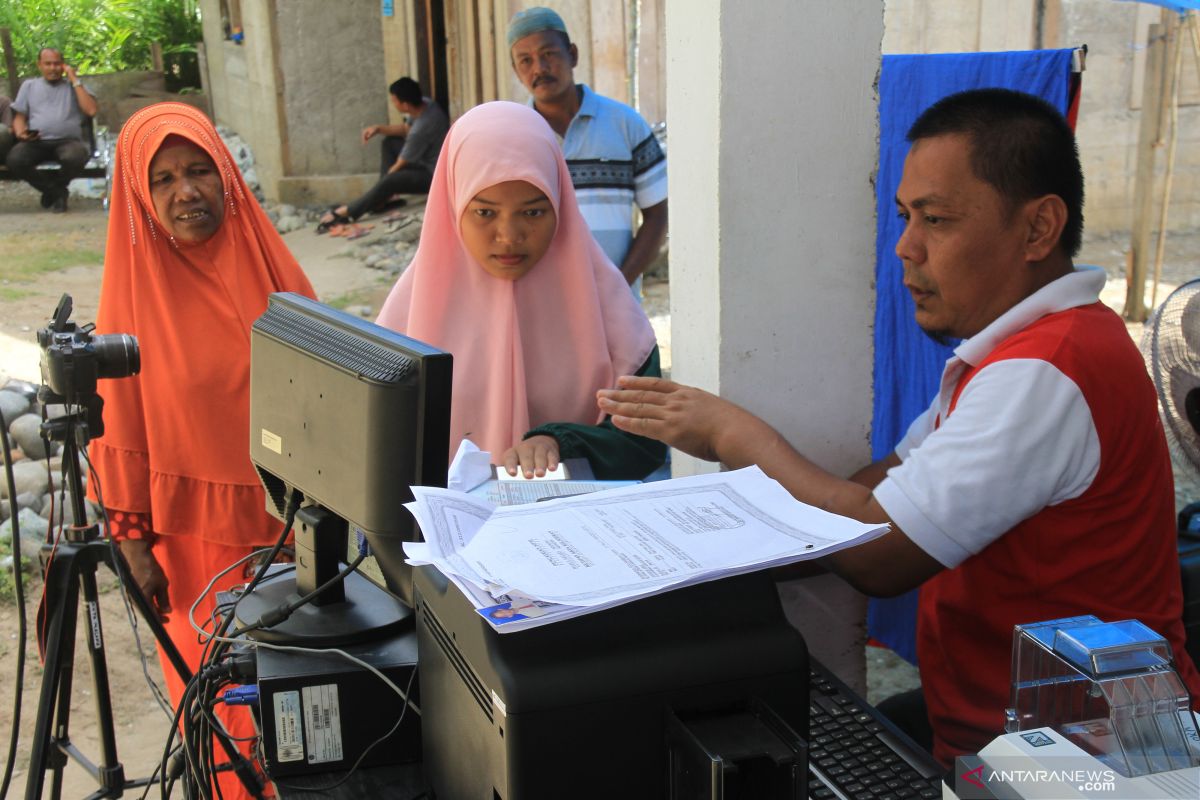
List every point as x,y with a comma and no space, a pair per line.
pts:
684,417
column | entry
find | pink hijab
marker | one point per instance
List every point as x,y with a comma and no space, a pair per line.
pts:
526,352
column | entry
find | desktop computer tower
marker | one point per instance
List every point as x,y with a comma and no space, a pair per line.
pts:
579,708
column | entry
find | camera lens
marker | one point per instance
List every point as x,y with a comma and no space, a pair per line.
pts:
116,354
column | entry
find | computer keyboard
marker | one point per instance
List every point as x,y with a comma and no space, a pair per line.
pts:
855,752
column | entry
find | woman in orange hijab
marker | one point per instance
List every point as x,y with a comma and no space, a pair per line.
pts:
189,262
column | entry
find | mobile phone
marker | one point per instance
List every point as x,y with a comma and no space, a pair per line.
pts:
32,131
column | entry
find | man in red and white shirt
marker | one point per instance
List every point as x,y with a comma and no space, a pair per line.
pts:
1038,483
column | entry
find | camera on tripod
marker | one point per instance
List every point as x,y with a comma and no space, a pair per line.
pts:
73,359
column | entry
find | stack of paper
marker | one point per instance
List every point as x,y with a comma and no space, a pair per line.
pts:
528,565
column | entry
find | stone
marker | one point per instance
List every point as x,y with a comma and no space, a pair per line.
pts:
409,233
286,210
56,465
29,477
26,431
31,501
53,504
289,223
25,388
33,531
387,264
13,404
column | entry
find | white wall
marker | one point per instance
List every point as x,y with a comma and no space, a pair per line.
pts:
773,140
300,88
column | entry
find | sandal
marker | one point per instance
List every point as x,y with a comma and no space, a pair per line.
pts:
335,218
358,231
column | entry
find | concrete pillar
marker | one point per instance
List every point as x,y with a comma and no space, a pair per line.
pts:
772,153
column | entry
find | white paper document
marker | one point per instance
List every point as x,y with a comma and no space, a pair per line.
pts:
529,565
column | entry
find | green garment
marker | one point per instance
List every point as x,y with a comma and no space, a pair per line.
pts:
613,453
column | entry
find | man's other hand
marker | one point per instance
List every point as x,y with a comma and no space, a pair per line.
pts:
369,133
28,136
69,73
686,418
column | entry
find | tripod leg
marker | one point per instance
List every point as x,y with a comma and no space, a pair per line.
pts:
121,567
73,570
111,773
61,596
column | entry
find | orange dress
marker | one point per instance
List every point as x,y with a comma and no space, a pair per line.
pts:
174,456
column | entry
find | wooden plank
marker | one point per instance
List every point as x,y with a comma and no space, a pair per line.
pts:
1143,187
470,47
652,76
205,85
454,59
156,57
10,62
608,43
486,31
277,81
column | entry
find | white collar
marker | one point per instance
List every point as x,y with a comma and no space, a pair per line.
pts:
1078,288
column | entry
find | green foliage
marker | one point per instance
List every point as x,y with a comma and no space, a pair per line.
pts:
100,35
8,587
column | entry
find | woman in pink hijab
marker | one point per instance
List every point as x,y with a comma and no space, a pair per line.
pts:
508,279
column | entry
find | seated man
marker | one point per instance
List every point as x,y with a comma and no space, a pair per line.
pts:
6,118
48,126
1037,485
411,170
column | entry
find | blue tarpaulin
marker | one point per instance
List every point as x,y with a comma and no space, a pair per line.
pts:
1178,6
908,365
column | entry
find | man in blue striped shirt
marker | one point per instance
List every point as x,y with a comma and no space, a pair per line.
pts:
614,159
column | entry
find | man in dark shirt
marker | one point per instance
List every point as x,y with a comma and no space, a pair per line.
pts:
415,146
48,117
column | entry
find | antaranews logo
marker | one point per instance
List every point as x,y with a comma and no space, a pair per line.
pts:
978,780
974,776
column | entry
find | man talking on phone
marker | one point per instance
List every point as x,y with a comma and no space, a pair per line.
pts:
48,117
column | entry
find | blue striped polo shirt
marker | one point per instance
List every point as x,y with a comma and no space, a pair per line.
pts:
615,161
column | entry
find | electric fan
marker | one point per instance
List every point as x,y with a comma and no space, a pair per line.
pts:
1171,346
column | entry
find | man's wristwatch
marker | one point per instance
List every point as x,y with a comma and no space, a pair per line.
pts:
76,84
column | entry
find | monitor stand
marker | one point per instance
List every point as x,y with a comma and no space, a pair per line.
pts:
355,610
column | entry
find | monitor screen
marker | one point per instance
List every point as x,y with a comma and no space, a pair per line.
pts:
349,414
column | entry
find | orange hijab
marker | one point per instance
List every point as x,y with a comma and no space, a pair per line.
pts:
526,352
176,441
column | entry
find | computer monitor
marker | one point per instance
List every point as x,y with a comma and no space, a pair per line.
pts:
347,415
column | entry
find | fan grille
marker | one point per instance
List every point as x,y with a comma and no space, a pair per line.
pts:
1174,356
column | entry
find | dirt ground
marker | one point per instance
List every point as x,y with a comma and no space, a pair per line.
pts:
26,304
